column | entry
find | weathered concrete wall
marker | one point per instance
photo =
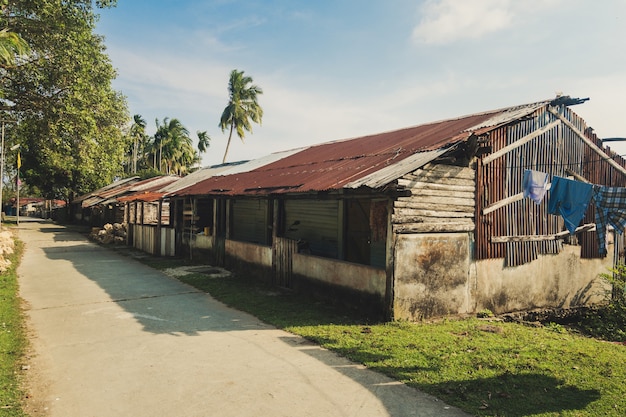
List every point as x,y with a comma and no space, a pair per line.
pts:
249,258
564,280
345,274
432,275
249,252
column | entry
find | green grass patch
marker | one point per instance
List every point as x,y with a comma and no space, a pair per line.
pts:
13,339
483,366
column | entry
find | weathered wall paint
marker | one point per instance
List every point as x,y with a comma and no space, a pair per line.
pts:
345,274
432,275
562,280
249,252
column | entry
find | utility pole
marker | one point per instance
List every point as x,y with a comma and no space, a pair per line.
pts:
17,183
3,121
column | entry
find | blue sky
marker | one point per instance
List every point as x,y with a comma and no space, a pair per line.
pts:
346,68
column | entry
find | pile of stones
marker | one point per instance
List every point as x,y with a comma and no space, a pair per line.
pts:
110,234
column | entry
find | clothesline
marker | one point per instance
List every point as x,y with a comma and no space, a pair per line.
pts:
552,164
570,198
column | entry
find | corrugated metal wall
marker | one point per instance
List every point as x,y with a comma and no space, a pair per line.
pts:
555,152
250,221
316,222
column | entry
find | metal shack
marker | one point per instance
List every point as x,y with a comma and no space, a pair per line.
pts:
420,222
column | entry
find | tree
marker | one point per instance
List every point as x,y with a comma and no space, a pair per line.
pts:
203,141
69,119
241,108
174,147
138,136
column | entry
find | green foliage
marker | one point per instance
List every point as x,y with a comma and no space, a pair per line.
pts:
12,340
172,148
485,313
11,47
609,321
67,117
169,151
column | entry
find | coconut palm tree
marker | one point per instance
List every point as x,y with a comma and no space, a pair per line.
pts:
138,134
242,107
203,141
174,145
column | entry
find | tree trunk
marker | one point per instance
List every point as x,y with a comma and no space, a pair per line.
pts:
230,135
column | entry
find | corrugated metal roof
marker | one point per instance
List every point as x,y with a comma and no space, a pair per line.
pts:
116,185
509,114
153,184
392,172
224,169
146,197
194,178
339,164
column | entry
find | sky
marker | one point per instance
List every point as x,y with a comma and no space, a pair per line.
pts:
340,69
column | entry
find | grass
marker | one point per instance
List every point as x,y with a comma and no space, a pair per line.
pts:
13,340
483,366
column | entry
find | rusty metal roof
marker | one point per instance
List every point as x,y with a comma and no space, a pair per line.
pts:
339,164
224,169
148,190
112,188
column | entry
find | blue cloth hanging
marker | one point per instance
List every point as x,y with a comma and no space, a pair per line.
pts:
569,199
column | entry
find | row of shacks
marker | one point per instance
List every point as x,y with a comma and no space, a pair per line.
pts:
420,222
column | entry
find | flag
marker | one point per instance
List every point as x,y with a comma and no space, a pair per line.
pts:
19,160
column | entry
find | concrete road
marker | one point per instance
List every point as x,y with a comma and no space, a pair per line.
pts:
112,337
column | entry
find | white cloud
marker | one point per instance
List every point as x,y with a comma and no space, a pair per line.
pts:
446,21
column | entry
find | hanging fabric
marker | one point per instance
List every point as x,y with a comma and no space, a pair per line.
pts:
535,185
610,205
569,199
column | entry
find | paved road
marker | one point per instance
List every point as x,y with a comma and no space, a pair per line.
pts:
112,337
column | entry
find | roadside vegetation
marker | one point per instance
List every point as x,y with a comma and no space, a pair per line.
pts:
485,366
13,340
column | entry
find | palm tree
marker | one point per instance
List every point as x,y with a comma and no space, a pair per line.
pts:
242,106
203,141
138,134
174,145
11,45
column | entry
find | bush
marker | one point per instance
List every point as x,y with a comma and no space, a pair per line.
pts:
609,322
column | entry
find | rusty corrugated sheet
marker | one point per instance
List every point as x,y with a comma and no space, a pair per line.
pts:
554,152
133,189
146,197
333,165
104,193
153,184
226,169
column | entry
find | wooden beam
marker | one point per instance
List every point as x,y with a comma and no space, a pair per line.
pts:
585,139
503,202
446,227
575,175
539,238
493,156
506,201
410,183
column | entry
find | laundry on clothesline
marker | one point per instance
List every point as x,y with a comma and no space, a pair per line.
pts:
570,199
610,205
535,185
